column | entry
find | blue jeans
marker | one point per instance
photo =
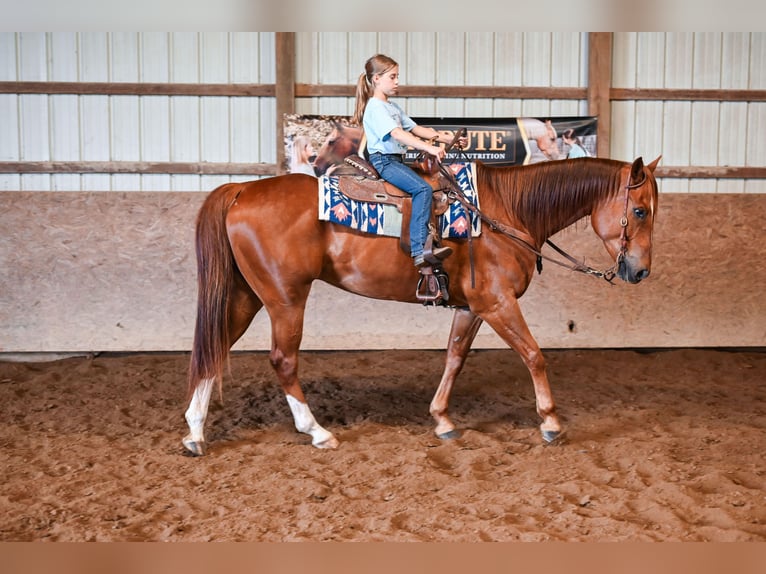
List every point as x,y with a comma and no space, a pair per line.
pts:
391,167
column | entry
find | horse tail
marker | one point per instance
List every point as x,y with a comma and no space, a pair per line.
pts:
215,281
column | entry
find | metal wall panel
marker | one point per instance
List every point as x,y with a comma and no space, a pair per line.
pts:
32,65
154,48
94,128
64,127
449,59
214,130
536,63
691,133
757,58
63,57
33,119
183,128
8,67
135,128
214,57
155,128
94,57
9,141
123,57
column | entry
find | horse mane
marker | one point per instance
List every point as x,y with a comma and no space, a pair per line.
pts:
548,196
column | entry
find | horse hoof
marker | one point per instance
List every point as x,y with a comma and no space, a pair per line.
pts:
194,447
328,443
450,435
551,438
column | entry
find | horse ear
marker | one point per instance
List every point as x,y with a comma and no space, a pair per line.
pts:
653,165
637,170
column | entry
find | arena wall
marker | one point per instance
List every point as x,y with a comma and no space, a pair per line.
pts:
111,140
91,272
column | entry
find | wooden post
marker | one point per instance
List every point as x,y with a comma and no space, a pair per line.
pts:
285,89
599,86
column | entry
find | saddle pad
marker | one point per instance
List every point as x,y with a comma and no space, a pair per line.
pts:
379,219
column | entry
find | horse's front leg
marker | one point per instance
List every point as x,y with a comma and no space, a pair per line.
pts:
508,322
465,325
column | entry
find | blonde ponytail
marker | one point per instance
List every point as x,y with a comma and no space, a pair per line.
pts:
364,92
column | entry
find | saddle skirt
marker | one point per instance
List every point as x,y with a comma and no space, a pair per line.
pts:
376,207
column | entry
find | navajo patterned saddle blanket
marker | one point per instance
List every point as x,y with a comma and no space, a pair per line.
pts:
382,219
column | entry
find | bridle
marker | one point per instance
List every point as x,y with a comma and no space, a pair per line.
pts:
624,219
525,240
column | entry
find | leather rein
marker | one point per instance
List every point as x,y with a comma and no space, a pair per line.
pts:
456,194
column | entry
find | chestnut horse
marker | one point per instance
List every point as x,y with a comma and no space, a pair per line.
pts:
260,244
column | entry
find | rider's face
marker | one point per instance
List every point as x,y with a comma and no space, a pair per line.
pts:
388,82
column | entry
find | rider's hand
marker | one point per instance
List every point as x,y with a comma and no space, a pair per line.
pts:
436,151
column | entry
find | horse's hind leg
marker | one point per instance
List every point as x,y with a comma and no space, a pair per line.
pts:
465,325
287,331
195,418
242,307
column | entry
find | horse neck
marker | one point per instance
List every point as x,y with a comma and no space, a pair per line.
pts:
546,197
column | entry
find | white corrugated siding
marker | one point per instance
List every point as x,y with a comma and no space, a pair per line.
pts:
240,129
691,133
135,128
449,59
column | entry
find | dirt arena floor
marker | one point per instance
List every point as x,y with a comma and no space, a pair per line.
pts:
661,446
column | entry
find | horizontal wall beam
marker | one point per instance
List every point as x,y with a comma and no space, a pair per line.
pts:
138,167
702,95
344,90
510,92
137,89
268,169
712,172
265,90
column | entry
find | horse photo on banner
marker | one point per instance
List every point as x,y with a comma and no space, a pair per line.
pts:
332,138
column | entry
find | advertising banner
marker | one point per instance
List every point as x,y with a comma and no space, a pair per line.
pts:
318,144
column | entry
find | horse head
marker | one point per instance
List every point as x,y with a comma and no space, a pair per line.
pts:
625,221
543,134
342,142
547,145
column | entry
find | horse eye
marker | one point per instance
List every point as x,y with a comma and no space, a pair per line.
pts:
639,212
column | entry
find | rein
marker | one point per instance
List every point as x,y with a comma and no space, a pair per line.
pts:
455,193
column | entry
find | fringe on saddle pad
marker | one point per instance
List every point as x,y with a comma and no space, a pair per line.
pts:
379,219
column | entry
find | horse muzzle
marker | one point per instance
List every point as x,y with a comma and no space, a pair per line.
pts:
632,271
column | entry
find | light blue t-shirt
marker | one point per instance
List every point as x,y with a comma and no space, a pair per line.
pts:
379,119
576,151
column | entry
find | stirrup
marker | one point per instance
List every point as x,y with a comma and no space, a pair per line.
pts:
433,286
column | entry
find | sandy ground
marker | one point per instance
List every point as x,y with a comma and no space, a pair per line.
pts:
661,446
